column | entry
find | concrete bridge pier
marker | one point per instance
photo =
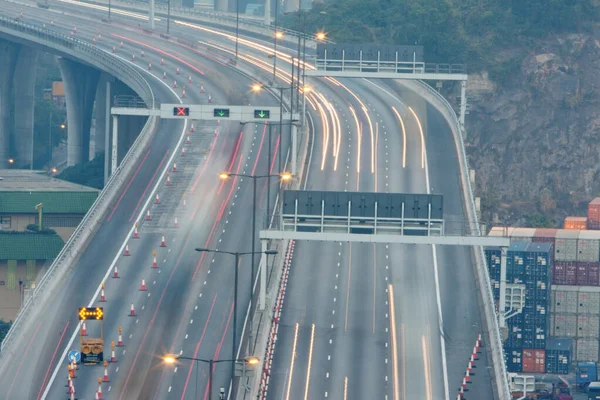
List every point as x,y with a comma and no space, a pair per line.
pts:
17,78
80,83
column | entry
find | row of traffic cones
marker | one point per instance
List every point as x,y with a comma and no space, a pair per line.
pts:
469,372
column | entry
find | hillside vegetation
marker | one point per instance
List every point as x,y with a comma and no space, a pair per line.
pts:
461,31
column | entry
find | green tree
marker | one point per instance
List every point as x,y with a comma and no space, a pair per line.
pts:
538,220
88,174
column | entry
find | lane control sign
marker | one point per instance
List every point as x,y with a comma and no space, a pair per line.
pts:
181,111
262,114
221,112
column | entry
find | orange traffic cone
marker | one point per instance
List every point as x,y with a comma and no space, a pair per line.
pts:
190,79
183,96
114,49
192,127
143,287
177,71
126,250
102,298
157,201
209,98
201,88
113,357
182,151
105,378
98,396
133,57
121,45
99,37
83,329
162,242
120,339
116,272
154,263
136,234
149,66
75,29
142,53
168,180
174,84
187,140
132,311
99,392
148,215
164,75
162,61
175,224
94,40
174,167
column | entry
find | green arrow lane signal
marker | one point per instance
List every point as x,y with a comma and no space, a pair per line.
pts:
221,112
262,114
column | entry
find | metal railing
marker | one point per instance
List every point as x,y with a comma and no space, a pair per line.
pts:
92,219
378,65
84,51
488,300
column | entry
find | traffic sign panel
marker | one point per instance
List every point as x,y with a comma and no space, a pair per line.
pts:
91,313
74,356
221,112
262,114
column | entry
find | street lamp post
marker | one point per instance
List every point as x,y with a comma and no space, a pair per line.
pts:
235,291
237,28
254,178
168,15
172,358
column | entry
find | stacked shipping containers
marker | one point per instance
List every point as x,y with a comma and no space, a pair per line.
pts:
575,315
575,223
529,264
575,304
593,219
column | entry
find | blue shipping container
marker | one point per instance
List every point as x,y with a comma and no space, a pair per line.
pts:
558,355
514,359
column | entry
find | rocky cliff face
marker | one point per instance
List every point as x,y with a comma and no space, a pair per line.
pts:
534,139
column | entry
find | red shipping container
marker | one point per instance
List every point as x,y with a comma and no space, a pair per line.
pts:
575,223
588,274
534,361
594,212
582,274
564,273
545,235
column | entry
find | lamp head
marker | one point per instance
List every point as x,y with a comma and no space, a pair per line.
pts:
278,35
201,249
170,358
271,252
286,176
321,35
252,360
256,87
224,175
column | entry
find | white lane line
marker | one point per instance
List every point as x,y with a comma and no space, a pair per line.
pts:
151,196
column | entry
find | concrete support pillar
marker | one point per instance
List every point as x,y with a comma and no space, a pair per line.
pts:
101,108
80,91
222,5
24,102
290,6
463,104
151,14
8,55
294,149
115,146
267,12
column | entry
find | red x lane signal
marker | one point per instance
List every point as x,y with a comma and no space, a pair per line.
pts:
181,111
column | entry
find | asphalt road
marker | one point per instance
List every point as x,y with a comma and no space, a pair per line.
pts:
179,270
358,360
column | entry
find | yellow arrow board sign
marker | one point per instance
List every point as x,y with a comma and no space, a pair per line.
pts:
86,313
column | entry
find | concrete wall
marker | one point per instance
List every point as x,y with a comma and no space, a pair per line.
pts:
10,300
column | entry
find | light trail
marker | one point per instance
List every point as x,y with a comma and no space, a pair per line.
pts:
422,138
287,396
392,311
310,353
403,136
426,368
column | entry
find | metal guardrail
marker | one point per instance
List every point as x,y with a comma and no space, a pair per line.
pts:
488,299
91,220
84,51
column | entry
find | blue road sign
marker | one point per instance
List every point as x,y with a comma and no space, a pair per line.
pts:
74,356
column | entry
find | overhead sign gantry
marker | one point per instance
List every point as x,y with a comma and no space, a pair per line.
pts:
205,112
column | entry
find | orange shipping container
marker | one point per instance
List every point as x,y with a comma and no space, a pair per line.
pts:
576,223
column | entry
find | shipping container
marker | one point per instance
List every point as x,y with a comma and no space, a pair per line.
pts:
575,223
534,360
588,273
515,333
586,350
504,231
558,355
565,245
588,302
545,235
594,213
514,361
564,301
563,325
523,234
588,247
564,273
588,326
